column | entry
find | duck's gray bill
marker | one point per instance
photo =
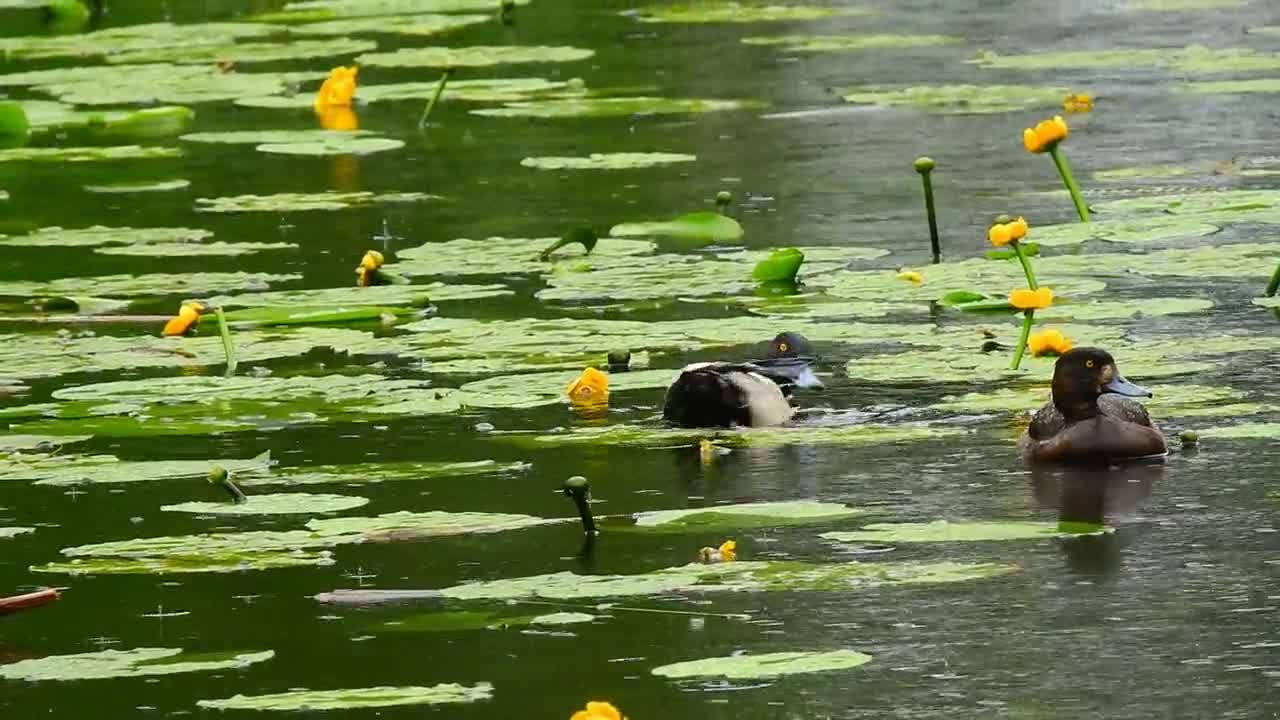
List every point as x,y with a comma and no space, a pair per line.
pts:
1120,386
806,378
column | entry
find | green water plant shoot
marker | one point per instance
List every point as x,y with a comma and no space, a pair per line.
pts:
220,477
228,346
724,199
435,97
507,12
582,235
578,489
1274,285
1047,136
924,166
781,266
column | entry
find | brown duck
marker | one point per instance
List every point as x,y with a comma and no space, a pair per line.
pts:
1092,419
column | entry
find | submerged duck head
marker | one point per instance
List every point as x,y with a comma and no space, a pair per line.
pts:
790,345
1081,376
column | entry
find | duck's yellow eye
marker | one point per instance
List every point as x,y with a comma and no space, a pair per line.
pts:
1088,363
783,347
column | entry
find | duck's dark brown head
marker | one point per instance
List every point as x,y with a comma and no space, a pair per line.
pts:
1084,374
790,345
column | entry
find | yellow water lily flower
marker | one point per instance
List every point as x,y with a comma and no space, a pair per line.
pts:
338,117
338,89
591,389
727,552
1046,135
1002,234
1048,342
369,265
188,314
1028,299
911,276
1078,103
598,710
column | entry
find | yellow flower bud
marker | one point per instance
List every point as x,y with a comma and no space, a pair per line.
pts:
911,276
999,235
338,89
590,390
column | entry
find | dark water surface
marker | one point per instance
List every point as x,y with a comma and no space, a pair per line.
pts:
1172,616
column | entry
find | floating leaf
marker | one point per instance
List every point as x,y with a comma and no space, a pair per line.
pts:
55,118
353,698
478,56
107,469
148,37
1244,431
700,226
744,515
138,187
381,472
247,52
456,621
1191,59
975,531
767,665
98,235
1147,172
190,284
829,43
780,266
12,532
406,525
607,161
481,90
548,388
302,202
1180,5
12,441
214,249
958,98
1273,301
307,10
138,662
319,315
1153,229
335,146
379,296
87,154
276,504
742,576
615,107
562,618
228,562
1144,307
155,83
392,24
732,12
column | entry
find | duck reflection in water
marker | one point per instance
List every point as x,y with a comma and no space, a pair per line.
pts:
1096,496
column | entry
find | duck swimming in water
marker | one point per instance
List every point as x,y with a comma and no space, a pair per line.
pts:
723,394
1092,419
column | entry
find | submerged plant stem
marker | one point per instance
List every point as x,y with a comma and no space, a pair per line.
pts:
1026,265
933,218
1274,285
435,98
1027,318
1064,169
228,346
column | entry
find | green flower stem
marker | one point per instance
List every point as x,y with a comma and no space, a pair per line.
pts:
1274,285
1026,265
1027,317
924,166
228,347
1064,169
435,98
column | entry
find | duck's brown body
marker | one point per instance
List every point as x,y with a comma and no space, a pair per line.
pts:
1090,421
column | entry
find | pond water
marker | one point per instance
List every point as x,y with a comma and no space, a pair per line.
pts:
1171,612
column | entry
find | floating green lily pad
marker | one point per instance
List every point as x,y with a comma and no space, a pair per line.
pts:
830,43
150,37
977,531
480,90
768,665
350,146
732,12
98,235
353,296
1193,59
308,10
528,390
455,621
190,284
87,154
354,698
227,562
505,256
275,504
319,315
138,662
1160,171
214,249
381,472
615,107
1152,229
107,469
742,576
153,83
276,137
303,202
138,187
14,441
419,25
699,226
744,515
958,98
1181,5
477,56
52,118
563,618
1273,301
406,525
247,52
607,161
1245,431
1144,307
1220,206
12,532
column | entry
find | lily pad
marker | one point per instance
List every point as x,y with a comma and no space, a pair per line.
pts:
1145,307
476,56
138,187
455,621
607,161
732,12
1181,5
1244,431
1193,59
153,83
189,284
247,52
13,441
307,10
479,90
418,25
563,618
1221,206
349,146
1153,229
700,226
228,562
615,107
354,698
830,43
214,249
1273,301
742,576
528,390
88,154
98,235
1159,171
406,525
52,118
744,515
958,98
107,469
303,202
505,256
382,472
975,531
768,665
151,37
12,532
276,504
138,662
353,296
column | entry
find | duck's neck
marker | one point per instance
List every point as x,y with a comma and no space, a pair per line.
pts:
584,512
1074,405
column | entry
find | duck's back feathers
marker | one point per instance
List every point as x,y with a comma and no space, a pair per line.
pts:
1122,430
724,394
